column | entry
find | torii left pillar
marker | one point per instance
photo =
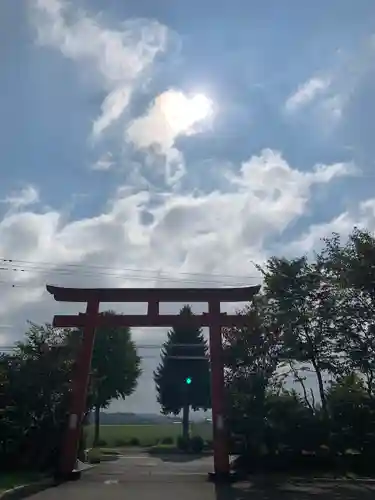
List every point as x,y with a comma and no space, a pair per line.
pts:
220,441
80,382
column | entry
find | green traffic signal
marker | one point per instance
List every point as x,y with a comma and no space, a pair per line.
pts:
188,380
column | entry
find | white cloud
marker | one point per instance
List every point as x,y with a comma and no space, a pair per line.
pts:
112,108
118,58
311,239
104,163
306,93
332,94
216,232
26,196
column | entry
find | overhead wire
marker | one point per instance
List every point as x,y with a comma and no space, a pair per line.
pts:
25,266
226,280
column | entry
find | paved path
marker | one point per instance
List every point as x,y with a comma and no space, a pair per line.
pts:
140,477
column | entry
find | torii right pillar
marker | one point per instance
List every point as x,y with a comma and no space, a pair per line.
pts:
221,452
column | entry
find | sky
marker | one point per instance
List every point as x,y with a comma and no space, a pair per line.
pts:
176,143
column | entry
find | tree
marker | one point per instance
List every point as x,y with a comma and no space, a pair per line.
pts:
354,262
251,356
36,390
5,422
304,307
351,269
173,393
115,368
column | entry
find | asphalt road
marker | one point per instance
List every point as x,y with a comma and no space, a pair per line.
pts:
140,477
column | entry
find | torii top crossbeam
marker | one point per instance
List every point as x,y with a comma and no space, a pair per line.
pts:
153,296
233,294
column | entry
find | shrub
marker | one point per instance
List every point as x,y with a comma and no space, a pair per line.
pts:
167,440
102,442
134,441
209,444
120,442
94,456
196,444
182,443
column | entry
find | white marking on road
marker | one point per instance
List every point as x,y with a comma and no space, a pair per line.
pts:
111,481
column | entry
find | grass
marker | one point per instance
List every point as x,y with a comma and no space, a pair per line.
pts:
148,435
12,479
97,455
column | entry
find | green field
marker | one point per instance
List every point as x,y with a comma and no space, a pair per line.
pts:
148,435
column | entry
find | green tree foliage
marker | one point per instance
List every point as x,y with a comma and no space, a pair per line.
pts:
173,393
115,368
351,268
352,415
37,378
36,385
289,422
251,358
304,307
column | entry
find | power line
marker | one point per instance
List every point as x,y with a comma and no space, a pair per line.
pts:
45,266
131,277
23,266
39,284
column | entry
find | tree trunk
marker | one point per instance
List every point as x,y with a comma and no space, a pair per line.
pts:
185,422
300,379
97,425
321,387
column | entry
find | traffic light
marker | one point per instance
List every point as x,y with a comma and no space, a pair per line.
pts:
188,380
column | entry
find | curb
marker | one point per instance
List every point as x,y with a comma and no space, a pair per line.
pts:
309,480
27,489
345,480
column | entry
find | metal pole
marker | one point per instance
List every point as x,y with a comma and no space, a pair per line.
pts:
79,392
221,457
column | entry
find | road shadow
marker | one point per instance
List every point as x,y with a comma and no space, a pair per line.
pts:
276,489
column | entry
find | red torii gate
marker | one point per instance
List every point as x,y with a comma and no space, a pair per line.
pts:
214,319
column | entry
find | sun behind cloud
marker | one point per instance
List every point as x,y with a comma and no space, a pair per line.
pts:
183,112
171,114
